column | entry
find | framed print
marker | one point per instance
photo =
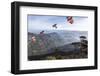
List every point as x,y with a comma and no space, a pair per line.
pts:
52,37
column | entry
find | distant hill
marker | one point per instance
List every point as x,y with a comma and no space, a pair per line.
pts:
54,41
47,41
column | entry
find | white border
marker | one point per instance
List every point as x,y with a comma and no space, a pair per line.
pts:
26,65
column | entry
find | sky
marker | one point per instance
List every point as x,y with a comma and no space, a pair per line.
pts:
42,22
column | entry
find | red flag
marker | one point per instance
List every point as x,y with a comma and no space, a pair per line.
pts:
42,32
70,19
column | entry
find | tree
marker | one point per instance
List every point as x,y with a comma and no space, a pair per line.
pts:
83,42
82,38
